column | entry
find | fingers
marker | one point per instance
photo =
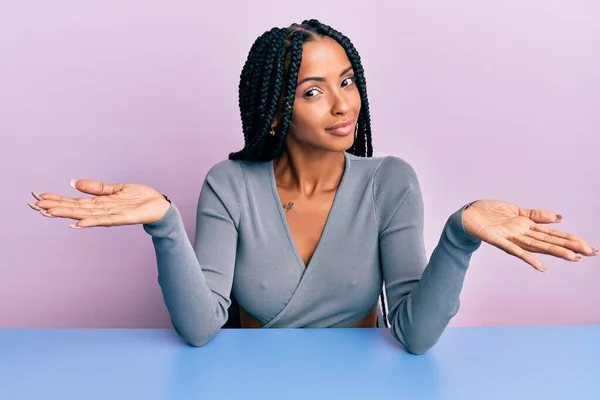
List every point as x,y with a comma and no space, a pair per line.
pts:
76,203
552,242
540,216
79,208
89,211
50,196
101,221
78,213
88,217
97,188
576,246
562,235
513,249
56,197
41,210
49,200
537,246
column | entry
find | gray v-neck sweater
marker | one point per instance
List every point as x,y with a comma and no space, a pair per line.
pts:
373,237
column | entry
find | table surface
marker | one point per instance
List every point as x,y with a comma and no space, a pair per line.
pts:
558,362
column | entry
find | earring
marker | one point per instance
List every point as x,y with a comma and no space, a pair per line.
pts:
272,131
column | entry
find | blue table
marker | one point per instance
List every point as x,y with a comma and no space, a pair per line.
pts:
467,363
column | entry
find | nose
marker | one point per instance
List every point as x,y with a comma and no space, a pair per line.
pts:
340,105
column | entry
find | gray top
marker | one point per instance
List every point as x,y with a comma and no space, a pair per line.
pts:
373,236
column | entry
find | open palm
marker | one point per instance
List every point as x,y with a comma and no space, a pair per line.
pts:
112,204
518,231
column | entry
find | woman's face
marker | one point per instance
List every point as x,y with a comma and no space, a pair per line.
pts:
327,102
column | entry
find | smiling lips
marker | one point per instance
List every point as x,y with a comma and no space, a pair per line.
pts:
342,129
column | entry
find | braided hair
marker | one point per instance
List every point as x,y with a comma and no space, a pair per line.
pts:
268,85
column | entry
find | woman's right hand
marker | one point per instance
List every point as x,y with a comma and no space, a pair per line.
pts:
112,204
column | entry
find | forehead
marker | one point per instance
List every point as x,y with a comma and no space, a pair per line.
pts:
323,57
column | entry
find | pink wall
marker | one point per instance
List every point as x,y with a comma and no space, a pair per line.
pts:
485,100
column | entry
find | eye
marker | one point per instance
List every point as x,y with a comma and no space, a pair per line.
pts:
349,80
310,93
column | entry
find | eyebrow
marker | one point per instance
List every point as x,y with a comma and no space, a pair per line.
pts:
320,79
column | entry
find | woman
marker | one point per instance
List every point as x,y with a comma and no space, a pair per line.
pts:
303,227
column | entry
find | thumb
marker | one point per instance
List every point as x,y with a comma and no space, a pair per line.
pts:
541,216
94,187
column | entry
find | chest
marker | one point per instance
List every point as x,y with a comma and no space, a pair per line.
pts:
306,218
306,252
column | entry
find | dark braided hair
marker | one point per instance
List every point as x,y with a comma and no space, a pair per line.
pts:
268,86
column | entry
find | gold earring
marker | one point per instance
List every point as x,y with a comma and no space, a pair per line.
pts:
272,131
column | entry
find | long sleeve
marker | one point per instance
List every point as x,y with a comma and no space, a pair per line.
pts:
196,280
423,296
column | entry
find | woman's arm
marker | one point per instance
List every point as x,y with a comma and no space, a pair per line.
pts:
423,295
196,280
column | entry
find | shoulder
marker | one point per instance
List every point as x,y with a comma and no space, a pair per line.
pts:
223,187
393,181
227,178
389,173
396,175
225,169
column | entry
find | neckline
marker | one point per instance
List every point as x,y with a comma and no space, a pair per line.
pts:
328,221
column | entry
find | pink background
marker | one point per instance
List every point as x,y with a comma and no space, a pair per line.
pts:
485,99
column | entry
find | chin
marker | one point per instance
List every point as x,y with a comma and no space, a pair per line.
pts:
330,143
341,143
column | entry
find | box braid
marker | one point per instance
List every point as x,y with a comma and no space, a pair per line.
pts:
268,86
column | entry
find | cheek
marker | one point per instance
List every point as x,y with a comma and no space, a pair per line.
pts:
356,101
308,119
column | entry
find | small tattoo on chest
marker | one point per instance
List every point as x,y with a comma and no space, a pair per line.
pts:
288,206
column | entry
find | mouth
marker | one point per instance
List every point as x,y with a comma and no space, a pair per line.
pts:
342,129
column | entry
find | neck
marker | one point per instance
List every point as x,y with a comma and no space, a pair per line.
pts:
309,172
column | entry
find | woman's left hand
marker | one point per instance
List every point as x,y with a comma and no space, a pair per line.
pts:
518,232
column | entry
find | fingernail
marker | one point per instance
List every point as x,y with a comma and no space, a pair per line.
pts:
45,214
36,208
75,226
559,217
37,197
72,183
